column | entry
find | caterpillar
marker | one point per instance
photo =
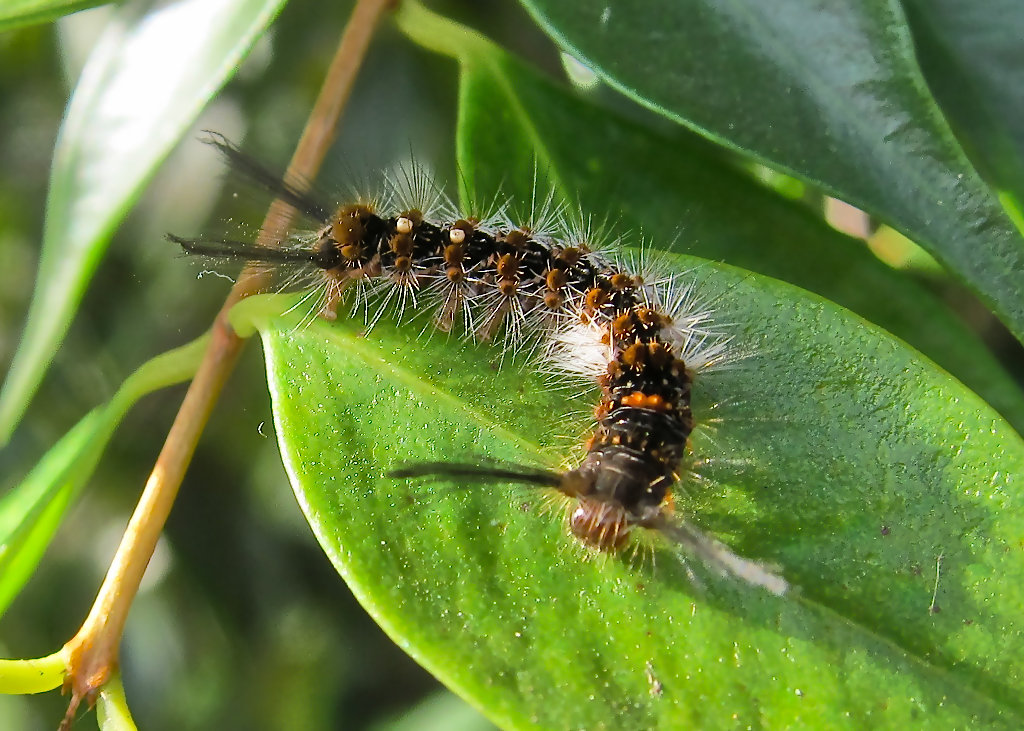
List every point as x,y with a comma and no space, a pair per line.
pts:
642,338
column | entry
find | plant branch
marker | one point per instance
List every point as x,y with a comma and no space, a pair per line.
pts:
92,653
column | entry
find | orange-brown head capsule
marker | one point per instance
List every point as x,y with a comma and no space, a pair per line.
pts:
599,524
348,224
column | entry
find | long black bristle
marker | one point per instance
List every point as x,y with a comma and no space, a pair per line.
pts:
230,249
477,473
267,179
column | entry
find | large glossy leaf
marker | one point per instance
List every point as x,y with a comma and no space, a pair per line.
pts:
31,512
973,57
145,82
14,13
682,198
884,490
827,91
841,455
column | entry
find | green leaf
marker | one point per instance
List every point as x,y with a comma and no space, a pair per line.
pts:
830,93
145,82
972,55
15,13
683,198
31,512
883,489
844,457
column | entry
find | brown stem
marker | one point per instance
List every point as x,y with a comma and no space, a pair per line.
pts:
92,652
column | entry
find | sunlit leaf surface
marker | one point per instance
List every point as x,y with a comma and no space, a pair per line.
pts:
835,452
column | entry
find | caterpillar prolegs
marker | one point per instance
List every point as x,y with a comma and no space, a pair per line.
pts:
544,286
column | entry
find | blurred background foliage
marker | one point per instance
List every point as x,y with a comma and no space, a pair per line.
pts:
242,622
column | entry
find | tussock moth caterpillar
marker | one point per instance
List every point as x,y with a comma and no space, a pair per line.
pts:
543,286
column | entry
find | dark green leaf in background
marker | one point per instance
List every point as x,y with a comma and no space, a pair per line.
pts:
972,54
31,512
148,77
678,196
829,92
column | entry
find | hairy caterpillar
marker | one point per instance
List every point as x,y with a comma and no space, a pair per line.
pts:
642,338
